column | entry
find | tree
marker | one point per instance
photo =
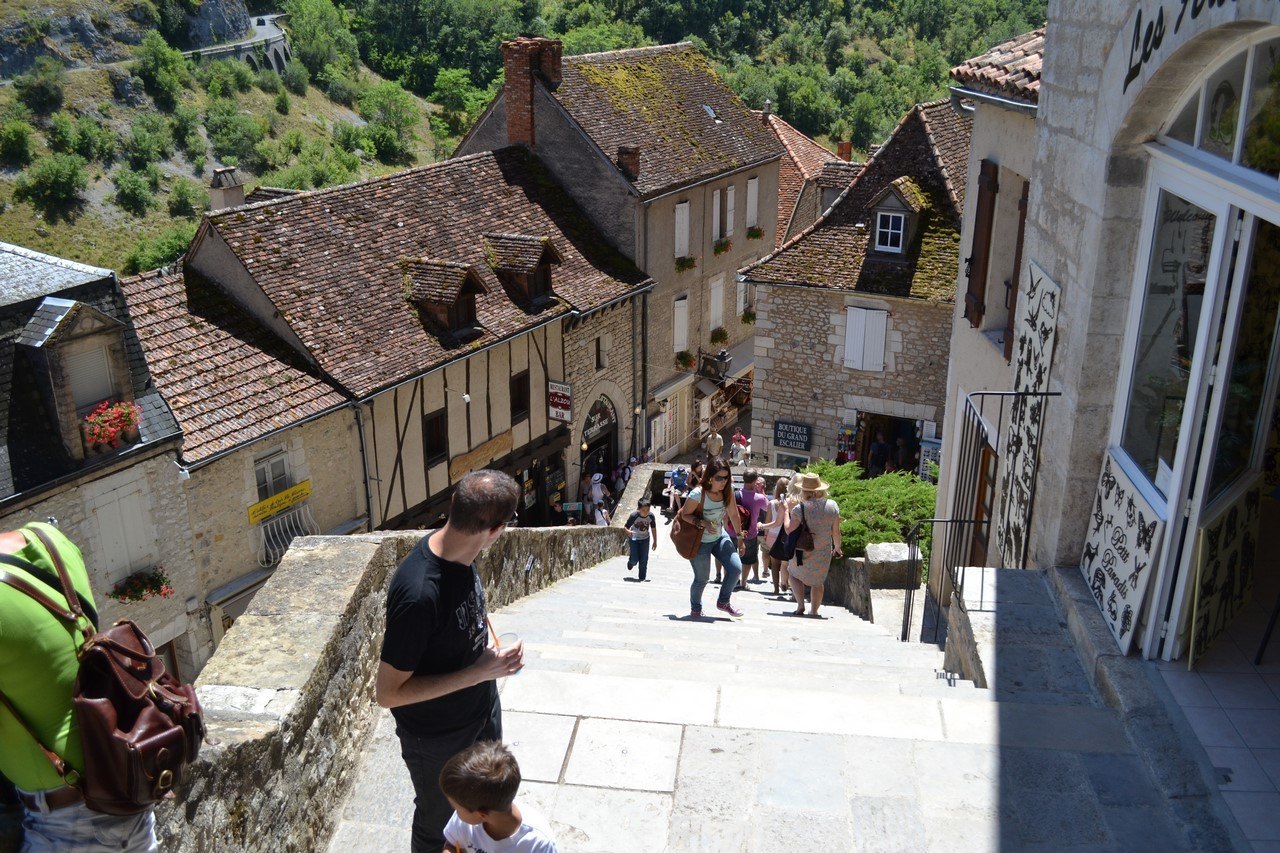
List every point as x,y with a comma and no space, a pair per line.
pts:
187,199
163,70
41,87
53,184
320,35
165,248
295,77
17,142
391,116
133,192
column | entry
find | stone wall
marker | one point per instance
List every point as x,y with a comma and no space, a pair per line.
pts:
617,329
800,364
288,696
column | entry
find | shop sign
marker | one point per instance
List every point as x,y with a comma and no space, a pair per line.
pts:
600,419
560,401
1144,36
279,502
792,436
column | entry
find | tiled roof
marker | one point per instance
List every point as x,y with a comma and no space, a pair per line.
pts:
803,161
1011,69
949,132
519,252
261,193
228,380
440,282
28,274
837,174
836,251
330,260
668,101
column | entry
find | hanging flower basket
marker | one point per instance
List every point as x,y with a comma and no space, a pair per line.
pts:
111,423
140,586
684,359
722,245
686,263
755,232
719,335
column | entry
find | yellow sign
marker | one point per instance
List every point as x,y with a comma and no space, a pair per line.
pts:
279,502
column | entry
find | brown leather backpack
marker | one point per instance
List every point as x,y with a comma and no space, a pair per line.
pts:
139,726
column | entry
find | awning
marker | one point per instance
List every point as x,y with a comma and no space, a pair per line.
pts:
706,387
669,388
744,357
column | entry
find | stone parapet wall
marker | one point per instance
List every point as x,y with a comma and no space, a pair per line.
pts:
288,695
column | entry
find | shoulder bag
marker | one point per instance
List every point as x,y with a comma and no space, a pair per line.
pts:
686,535
804,541
139,726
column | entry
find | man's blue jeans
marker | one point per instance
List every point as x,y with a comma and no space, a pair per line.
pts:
77,828
726,552
639,555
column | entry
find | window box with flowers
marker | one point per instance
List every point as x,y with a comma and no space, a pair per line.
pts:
684,359
686,263
748,316
140,586
722,245
755,232
110,425
719,335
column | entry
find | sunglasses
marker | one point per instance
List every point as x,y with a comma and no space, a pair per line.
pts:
515,519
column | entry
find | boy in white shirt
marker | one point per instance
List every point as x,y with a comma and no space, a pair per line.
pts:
481,784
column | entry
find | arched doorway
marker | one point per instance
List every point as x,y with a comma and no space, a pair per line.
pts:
599,447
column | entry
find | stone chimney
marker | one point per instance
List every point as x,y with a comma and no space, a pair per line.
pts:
844,150
766,111
629,160
225,190
521,57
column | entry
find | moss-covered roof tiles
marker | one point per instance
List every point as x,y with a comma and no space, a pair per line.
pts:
669,102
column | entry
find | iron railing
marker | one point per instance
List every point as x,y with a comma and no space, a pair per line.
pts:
945,546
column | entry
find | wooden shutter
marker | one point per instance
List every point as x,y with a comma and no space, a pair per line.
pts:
741,303
682,229
855,325
715,215
1012,299
873,340
980,251
90,375
753,202
680,324
728,211
715,311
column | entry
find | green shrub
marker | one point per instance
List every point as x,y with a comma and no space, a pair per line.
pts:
198,164
94,142
269,81
164,70
165,248
17,142
296,77
318,166
133,192
339,85
41,87
149,141
320,36
234,135
879,509
186,129
62,133
54,183
391,116
282,103
348,137
226,76
187,198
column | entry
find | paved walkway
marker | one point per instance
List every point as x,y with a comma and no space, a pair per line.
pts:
638,729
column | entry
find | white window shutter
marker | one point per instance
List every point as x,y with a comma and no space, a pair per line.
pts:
854,332
682,229
89,373
715,215
873,340
716,312
680,324
728,211
753,202
742,298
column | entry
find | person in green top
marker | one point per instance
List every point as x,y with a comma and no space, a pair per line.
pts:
38,668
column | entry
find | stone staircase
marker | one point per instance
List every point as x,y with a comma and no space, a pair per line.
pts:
640,729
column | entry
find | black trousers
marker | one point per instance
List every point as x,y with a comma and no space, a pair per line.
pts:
425,756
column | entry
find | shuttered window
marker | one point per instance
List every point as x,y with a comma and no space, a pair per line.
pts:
728,211
753,202
680,324
864,339
715,307
741,303
1017,270
126,535
977,263
682,229
716,233
89,373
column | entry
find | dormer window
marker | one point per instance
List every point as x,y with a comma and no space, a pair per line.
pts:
890,230
444,295
523,264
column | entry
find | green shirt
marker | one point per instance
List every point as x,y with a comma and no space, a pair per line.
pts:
38,667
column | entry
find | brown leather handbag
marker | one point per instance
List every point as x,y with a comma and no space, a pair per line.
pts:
139,726
686,535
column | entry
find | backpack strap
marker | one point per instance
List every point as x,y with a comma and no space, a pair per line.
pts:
68,588
69,774
48,579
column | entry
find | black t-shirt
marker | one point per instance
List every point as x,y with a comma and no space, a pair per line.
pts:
436,625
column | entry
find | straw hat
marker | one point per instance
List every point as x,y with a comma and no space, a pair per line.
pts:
809,482
596,478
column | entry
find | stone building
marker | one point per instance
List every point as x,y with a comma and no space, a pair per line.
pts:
808,178
854,314
66,346
678,176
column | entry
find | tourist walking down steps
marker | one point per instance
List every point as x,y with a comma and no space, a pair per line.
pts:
713,499
822,517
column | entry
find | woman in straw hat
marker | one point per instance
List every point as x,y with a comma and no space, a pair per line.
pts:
822,516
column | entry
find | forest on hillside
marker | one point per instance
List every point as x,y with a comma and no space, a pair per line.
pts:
842,69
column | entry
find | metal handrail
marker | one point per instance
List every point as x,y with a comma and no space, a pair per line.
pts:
950,564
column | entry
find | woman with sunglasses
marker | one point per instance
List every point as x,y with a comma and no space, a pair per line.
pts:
714,496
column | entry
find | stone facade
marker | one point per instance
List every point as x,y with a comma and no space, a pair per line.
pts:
288,697
800,373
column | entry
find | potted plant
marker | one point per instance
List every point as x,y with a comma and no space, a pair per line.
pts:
755,232
684,359
686,263
722,245
140,586
719,335
748,316
110,423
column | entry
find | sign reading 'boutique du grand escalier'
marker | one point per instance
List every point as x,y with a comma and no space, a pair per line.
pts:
792,436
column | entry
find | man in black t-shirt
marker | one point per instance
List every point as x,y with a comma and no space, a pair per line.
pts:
437,670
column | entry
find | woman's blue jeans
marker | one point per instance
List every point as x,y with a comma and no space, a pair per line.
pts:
726,552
